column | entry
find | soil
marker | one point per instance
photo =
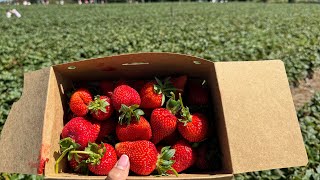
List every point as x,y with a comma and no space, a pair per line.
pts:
306,89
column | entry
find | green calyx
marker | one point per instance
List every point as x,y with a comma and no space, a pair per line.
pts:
173,105
164,162
94,151
98,104
164,88
69,147
66,145
127,112
185,114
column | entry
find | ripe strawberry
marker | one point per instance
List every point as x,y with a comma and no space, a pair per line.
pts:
136,130
163,120
79,102
126,95
153,93
81,131
107,161
106,88
106,128
193,127
179,83
101,108
184,156
144,158
198,93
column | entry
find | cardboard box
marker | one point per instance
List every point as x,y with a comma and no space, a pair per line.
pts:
255,118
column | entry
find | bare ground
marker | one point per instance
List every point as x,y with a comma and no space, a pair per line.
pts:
304,92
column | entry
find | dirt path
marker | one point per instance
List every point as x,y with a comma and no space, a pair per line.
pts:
304,92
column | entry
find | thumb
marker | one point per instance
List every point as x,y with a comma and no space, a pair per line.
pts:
121,170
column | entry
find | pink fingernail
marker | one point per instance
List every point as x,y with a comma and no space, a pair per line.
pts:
123,162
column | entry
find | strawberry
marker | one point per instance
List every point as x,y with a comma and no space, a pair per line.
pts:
106,128
144,158
179,83
106,162
101,108
125,95
163,120
198,93
153,93
79,102
81,130
136,130
193,127
184,156
106,88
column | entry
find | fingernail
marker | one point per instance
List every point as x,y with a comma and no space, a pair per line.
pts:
123,162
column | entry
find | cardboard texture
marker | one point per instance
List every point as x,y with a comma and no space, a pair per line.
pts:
255,118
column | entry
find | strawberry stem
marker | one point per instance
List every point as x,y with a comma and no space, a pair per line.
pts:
63,154
173,105
98,104
66,145
127,112
185,113
164,162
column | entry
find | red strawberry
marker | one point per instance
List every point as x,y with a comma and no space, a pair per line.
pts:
106,88
107,161
198,93
106,128
126,95
81,131
163,123
163,120
144,158
101,108
150,98
153,93
193,127
184,156
136,130
196,129
179,83
79,102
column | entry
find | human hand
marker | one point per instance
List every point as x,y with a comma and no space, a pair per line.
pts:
121,170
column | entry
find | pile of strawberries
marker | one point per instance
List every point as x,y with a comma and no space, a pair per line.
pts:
145,119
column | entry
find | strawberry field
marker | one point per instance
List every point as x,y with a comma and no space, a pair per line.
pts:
48,35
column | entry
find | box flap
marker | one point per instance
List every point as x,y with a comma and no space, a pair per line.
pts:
134,66
262,127
21,136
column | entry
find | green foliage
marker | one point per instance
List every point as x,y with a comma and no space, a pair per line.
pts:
49,35
309,119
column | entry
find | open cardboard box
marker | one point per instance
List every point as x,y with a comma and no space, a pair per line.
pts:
255,116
